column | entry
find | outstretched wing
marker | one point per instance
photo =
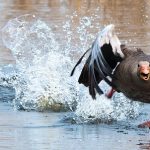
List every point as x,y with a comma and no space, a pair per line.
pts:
105,53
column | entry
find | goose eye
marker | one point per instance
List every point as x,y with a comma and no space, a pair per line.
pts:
138,65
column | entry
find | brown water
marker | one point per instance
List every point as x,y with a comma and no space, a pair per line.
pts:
21,130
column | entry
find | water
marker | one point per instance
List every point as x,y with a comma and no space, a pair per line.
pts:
42,107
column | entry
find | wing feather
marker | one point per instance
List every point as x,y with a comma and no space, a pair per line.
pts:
99,66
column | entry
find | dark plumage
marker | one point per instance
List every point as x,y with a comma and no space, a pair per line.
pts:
91,76
105,54
127,78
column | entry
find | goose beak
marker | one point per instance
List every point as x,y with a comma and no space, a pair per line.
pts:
145,76
144,71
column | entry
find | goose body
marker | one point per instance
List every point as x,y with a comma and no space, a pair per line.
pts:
127,77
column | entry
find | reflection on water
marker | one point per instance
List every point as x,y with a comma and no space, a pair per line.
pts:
34,130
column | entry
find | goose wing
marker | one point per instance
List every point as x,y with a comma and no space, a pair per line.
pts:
105,53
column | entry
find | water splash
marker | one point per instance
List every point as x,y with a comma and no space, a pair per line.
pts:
104,109
43,71
41,76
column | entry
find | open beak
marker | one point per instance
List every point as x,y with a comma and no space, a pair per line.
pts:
144,76
144,73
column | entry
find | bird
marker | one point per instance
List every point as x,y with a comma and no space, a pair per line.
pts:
125,70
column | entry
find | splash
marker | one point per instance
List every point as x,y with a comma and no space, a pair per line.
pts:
41,76
106,110
103,109
43,71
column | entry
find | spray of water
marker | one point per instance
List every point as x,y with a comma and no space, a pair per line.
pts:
42,70
41,76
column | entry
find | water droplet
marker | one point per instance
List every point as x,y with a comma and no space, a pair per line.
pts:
86,21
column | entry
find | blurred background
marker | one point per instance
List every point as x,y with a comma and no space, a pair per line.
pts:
131,17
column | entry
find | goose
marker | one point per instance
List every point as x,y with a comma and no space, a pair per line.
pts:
125,70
